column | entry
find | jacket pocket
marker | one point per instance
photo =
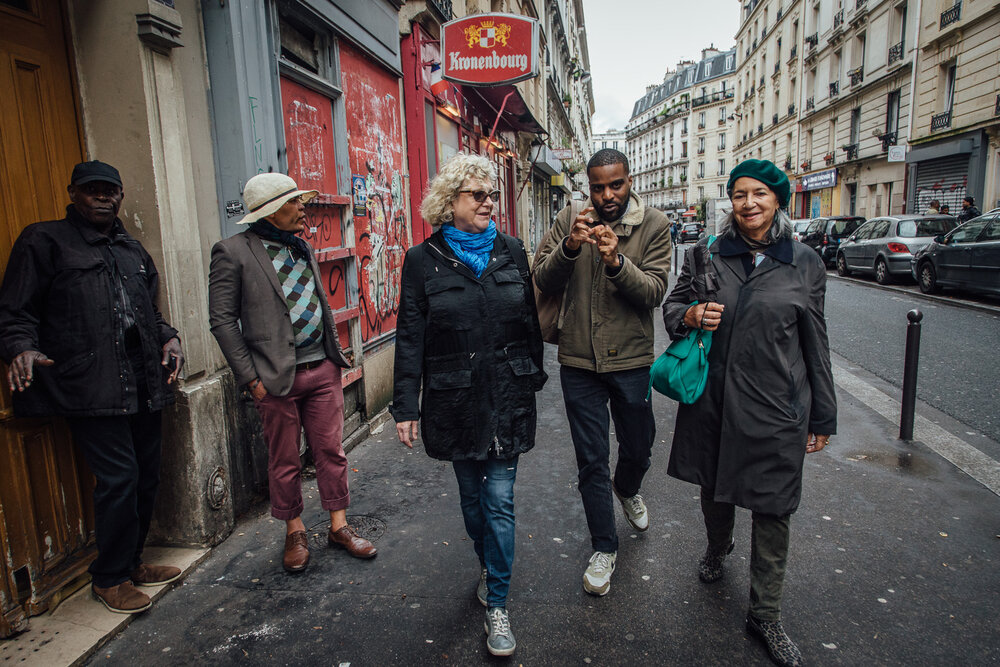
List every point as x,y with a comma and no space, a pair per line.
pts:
448,401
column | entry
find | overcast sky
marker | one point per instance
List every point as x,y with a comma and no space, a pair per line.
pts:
632,43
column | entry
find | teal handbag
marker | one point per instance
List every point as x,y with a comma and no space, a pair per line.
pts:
681,371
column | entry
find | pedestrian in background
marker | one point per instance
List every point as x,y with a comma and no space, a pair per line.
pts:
769,398
933,208
611,274
468,334
85,340
271,318
945,209
969,210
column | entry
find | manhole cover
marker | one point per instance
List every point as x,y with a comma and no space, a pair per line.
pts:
367,527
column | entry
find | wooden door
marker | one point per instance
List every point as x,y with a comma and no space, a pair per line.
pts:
46,524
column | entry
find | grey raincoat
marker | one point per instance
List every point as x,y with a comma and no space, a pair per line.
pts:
769,379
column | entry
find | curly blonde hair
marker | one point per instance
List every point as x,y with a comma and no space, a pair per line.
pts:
443,189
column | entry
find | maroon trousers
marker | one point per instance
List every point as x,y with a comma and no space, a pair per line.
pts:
315,404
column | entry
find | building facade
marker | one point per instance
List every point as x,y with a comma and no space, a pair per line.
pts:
955,141
672,122
613,138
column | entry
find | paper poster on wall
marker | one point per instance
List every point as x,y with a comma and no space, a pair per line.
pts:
360,191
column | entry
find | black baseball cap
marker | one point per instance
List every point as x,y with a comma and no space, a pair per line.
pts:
95,170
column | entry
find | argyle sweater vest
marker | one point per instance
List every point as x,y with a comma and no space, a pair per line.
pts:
299,286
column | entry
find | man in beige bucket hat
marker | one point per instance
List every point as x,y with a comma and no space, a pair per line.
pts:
270,315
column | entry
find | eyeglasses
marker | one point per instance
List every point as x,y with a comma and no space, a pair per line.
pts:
481,195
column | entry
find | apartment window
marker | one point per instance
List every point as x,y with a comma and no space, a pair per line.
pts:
722,191
684,149
809,144
701,120
774,151
604,144
701,144
722,114
701,170
701,193
949,86
722,167
722,141
832,138
900,21
892,113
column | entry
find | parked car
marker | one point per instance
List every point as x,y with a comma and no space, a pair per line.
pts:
884,246
967,258
825,234
799,227
690,231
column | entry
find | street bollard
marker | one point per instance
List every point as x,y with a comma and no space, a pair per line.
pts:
911,357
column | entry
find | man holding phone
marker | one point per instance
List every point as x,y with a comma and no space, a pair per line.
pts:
611,264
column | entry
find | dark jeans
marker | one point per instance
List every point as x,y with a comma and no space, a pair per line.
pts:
124,455
587,395
768,552
487,492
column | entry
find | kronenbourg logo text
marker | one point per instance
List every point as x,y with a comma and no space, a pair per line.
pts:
487,35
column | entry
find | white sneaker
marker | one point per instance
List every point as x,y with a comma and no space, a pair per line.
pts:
499,637
597,577
634,509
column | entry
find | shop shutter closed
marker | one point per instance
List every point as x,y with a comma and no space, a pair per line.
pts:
943,179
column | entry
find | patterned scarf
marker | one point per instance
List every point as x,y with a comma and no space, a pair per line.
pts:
473,250
296,244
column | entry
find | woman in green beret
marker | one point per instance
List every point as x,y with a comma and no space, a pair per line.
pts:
769,398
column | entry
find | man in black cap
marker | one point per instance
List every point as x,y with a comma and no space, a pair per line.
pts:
84,339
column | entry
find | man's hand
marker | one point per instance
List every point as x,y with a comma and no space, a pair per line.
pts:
257,390
21,370
607,245
407,432
816,442
172,350
581,231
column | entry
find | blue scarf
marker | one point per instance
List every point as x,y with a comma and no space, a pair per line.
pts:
472,249
297,245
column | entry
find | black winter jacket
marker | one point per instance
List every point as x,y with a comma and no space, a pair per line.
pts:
475,346
58,297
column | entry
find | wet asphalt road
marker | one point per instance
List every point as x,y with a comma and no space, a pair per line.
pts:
959,370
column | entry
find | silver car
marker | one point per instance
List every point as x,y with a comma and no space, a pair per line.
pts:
884,246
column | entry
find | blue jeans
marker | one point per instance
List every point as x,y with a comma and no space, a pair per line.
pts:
587,395
487,491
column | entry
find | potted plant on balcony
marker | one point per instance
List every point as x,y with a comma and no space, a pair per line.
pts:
828,158
566,101
804,166
788,162
573,167
684,178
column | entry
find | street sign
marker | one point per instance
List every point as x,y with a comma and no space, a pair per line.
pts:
897,153
489,49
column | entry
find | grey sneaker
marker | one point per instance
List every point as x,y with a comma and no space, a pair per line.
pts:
635,510
499,636
597,578
481,588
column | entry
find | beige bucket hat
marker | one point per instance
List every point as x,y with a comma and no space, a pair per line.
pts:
266,193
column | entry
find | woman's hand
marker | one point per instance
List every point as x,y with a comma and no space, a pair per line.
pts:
407,432
816,442
705,316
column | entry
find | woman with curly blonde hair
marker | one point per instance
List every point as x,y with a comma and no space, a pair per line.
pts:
468,333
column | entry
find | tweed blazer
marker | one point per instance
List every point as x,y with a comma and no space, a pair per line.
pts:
249,316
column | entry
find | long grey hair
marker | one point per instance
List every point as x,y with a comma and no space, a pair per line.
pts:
781,227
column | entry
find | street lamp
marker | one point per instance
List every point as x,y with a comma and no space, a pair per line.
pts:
735,116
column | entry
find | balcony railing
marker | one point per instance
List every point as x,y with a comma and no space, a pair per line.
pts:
791,109
857,75
852,151
951,15
834,89
895,52
701,151
810,103
812,40
887,139
777,68
838,20
701,126
860,4
793,53
763,32
443,7
941,121
779,15
760,127
755,42
761,80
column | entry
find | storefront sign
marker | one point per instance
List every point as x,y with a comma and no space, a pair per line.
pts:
818,181
563,153
489,49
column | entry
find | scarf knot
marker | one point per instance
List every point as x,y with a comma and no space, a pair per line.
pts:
296,244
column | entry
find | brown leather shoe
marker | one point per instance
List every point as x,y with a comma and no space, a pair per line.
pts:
296,552
123,598
155,575
356,545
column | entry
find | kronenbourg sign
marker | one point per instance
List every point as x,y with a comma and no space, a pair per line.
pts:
489,49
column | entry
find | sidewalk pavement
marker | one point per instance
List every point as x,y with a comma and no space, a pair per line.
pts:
893,560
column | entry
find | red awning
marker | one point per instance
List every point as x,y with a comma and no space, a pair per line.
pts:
516,115
688,214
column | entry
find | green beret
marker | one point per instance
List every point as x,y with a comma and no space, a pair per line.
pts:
767,173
